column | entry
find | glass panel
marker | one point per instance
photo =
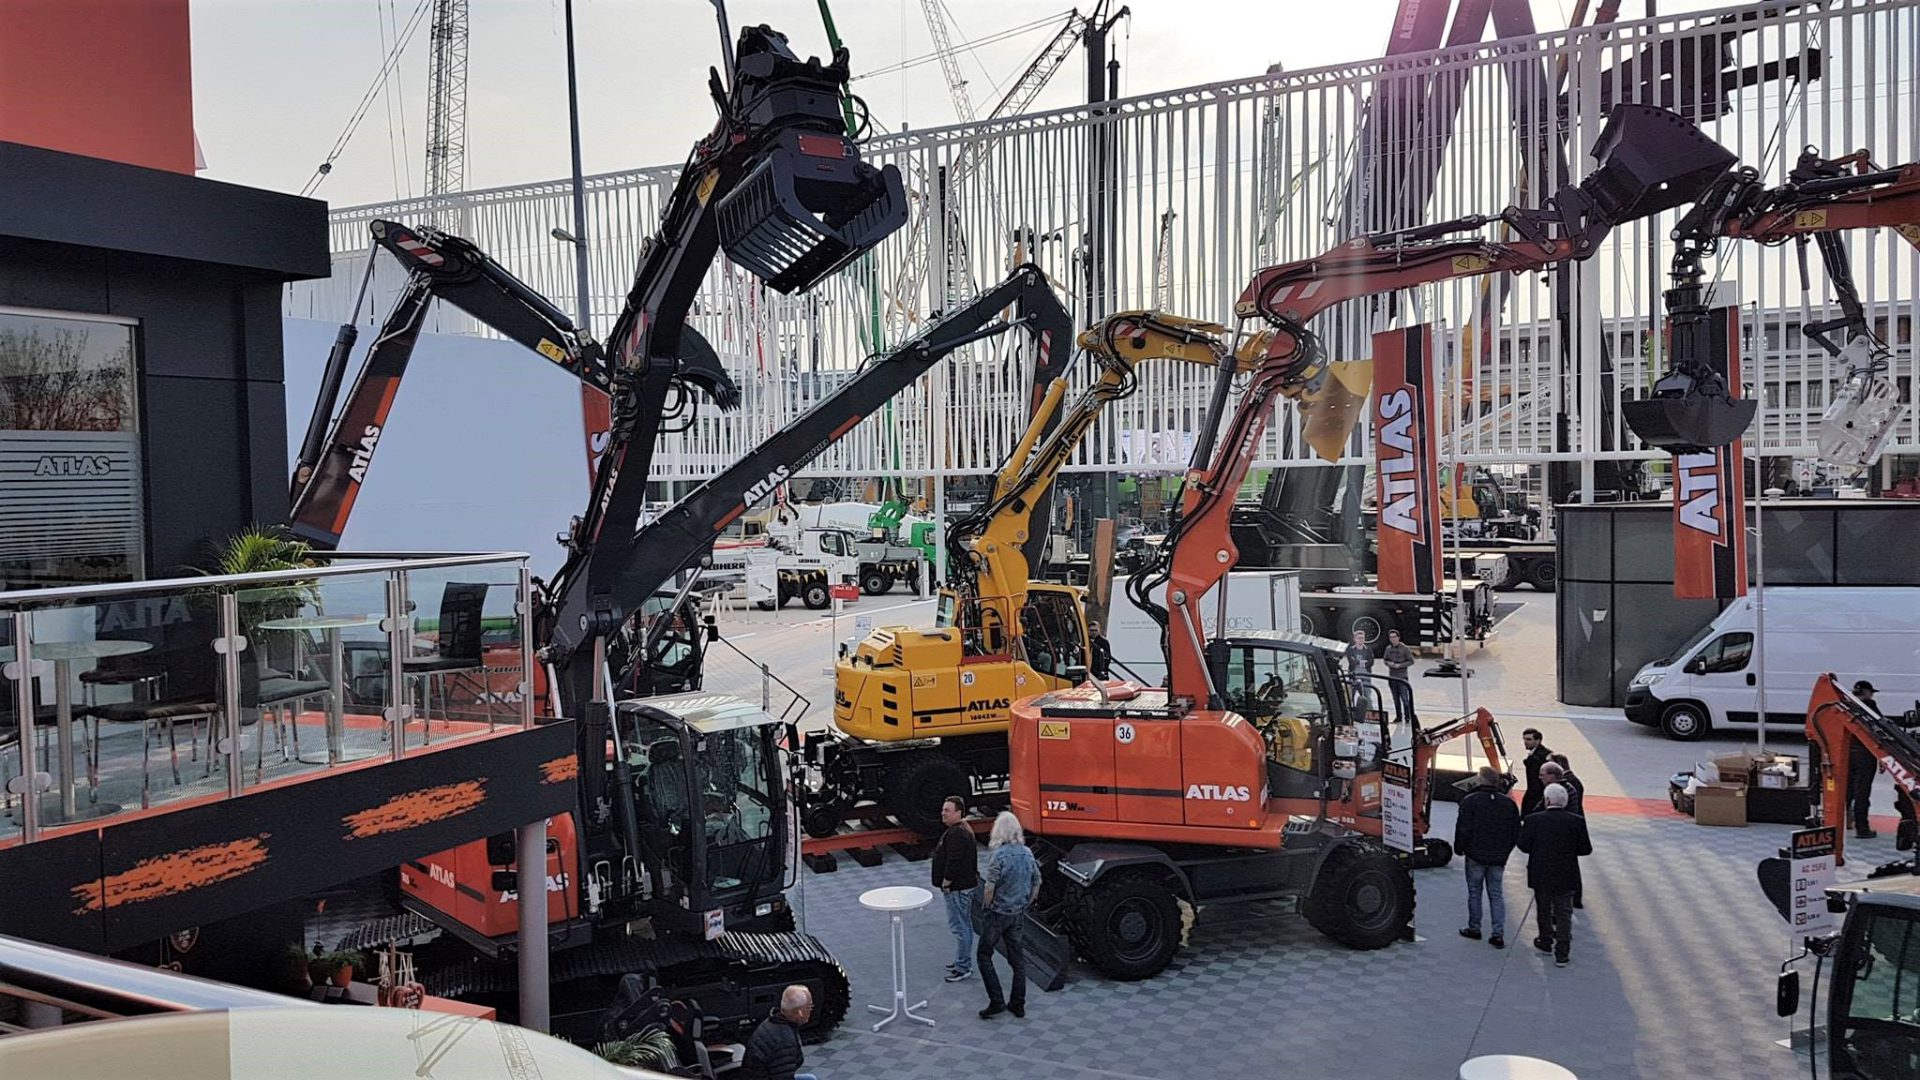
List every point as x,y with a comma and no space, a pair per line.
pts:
1280,692
465,663
70,489
315,672
1882,1030
736,795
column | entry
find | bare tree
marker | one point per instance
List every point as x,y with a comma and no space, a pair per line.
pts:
47,384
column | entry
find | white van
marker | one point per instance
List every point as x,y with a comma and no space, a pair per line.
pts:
1712,681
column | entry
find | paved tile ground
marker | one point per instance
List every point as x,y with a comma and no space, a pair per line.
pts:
1674,955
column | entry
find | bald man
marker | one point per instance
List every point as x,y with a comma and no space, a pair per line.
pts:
773,1050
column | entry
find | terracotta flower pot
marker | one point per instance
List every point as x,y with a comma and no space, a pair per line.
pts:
343,975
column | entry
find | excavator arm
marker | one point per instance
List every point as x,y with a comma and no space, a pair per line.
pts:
578,611
1822,198
1836,720
335,457
1651,160
990,549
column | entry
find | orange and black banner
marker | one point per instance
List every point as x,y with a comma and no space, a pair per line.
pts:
128,883
1403,446
1709,494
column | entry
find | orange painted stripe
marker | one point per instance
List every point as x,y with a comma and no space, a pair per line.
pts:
846,427
416,808
727,519
173,873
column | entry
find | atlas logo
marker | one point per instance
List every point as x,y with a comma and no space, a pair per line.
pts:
989,705
1400,470
555,883
1697,489
764,487
1219,793
73,465
1901,774
363,454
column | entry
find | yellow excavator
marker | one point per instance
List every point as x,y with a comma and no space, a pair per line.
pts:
922,713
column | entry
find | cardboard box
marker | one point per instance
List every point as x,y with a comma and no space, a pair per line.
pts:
1734,768
1767,778
1721,804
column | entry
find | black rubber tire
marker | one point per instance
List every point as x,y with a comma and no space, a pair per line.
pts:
915,788
766,605
815,596
1544,575
1685,721
1362,898
875,582
821,820
1312,622
1130,926
1368,623
1431,854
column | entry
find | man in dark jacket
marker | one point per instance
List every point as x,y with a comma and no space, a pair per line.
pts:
1484,834
1862,766
1537,754
1399,660
773,1050
1100,663
1556,771
1554,840
956,873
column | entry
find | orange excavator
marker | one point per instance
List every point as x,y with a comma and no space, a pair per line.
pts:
1259,771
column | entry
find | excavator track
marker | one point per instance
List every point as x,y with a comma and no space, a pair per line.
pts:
736,977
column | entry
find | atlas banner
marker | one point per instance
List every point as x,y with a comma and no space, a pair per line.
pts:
1709,495
1396,805
1403,446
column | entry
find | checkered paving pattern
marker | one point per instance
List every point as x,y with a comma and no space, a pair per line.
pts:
1673,965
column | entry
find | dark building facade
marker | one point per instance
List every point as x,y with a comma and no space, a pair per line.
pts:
142,409
1616,605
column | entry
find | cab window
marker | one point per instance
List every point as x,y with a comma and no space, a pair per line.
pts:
831,544
1727,653
1051,633
1281,693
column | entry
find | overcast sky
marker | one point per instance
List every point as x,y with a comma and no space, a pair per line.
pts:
276,81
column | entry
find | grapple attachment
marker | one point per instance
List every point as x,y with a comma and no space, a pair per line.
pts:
808,207
1686,416
1650,160
1857,425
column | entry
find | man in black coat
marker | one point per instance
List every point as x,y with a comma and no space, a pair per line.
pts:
1537,754
1100,663
1554,840
956,873
1484,834
1862,767
773,1050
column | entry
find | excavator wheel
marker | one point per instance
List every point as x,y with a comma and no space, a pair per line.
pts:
1362,897
814,594
822,819
1129,926
916,787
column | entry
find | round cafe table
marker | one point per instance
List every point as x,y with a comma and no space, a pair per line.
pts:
330,625
1513,1067
63,654
896,901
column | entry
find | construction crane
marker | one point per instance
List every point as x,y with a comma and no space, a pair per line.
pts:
1163,261
903,295
447,111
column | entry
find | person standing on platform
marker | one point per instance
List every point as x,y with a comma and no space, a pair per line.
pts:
956,873
1399,660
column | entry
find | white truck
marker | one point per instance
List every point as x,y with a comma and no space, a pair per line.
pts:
1256,600
802,563
1712,681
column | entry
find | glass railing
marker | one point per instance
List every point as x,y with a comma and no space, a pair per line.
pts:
122,698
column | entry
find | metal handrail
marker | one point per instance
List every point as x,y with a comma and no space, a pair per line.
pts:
35,598
97,985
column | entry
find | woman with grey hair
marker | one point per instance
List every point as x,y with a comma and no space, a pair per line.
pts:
1010,882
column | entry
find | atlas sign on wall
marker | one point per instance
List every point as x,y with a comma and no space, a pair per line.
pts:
71,508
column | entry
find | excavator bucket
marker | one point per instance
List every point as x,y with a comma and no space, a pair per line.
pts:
808,207
1651,160
1681,419
1329,409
